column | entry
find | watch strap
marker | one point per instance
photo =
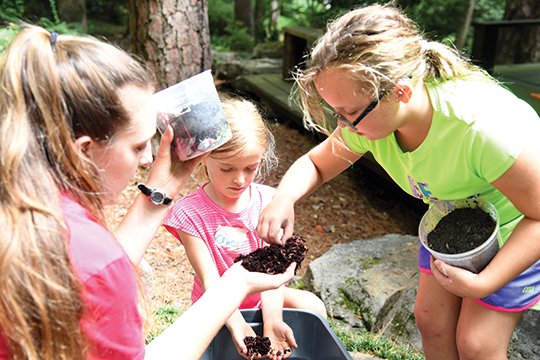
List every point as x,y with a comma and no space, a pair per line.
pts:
150,192
145,189
167,200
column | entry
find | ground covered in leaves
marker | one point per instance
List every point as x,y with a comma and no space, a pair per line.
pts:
355,205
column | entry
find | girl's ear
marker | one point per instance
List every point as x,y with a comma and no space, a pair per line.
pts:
83,143
403,92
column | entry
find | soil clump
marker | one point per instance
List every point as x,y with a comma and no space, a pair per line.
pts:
275,259
257,345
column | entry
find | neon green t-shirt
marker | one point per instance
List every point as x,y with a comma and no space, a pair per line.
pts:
478,130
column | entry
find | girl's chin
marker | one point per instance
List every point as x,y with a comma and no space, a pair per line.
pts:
109,198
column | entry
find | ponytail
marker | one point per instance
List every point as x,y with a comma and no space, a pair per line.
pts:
445,63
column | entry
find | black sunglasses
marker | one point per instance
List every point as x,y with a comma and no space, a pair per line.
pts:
367,110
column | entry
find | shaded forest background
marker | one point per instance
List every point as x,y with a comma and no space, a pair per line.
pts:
176,37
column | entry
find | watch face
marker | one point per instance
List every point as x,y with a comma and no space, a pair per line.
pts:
157,197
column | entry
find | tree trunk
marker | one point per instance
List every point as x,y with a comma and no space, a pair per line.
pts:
275,11
461,37
519,44
258,26
243,13
73,11
172,36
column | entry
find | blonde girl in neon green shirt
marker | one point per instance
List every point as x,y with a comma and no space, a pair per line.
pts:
443,129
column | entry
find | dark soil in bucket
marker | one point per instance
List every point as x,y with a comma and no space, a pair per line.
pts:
461,230
275,259
257,345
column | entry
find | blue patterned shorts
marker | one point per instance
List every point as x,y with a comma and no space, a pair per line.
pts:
520,294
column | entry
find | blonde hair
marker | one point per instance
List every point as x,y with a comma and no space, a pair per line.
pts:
248,128
54,89
378,45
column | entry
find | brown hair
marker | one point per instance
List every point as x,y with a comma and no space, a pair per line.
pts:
378,45
53,90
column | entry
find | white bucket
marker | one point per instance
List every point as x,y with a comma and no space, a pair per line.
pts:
193,109
474,260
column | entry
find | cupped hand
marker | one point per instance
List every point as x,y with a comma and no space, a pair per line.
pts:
238,333
168,173
458,281
255,282
282,339
276,223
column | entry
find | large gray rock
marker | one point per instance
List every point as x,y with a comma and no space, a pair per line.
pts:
372,284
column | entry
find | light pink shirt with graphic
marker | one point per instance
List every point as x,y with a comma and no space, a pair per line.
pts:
225,234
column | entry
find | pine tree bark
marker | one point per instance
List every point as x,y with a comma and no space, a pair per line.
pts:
172,36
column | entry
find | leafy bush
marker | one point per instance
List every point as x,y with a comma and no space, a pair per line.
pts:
220,13
6,35
235,38
12,16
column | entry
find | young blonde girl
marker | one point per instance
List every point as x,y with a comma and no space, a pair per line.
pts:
443,130
217,223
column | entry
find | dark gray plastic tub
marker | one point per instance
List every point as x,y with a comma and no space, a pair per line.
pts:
315,338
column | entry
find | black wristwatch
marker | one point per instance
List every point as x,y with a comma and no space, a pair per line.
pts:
154,195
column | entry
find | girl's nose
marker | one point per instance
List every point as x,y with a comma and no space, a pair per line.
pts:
146,157
239,179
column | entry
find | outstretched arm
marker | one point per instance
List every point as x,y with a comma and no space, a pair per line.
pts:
138,227
311,170
205,268
189,336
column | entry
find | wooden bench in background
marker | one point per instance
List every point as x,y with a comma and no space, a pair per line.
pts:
297,43
522,79
275,88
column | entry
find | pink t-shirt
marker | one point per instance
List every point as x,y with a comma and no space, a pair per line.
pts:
225,234
112,322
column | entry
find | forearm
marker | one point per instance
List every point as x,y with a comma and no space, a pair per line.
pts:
521,250
139,226
143,218
191,334
301,179
235,319
272,305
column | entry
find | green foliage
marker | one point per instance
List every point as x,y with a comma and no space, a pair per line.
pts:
54,11
441,20
11,10
163,318
220,14
12,15
360,340
108,11
6,35
225,33
235,38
